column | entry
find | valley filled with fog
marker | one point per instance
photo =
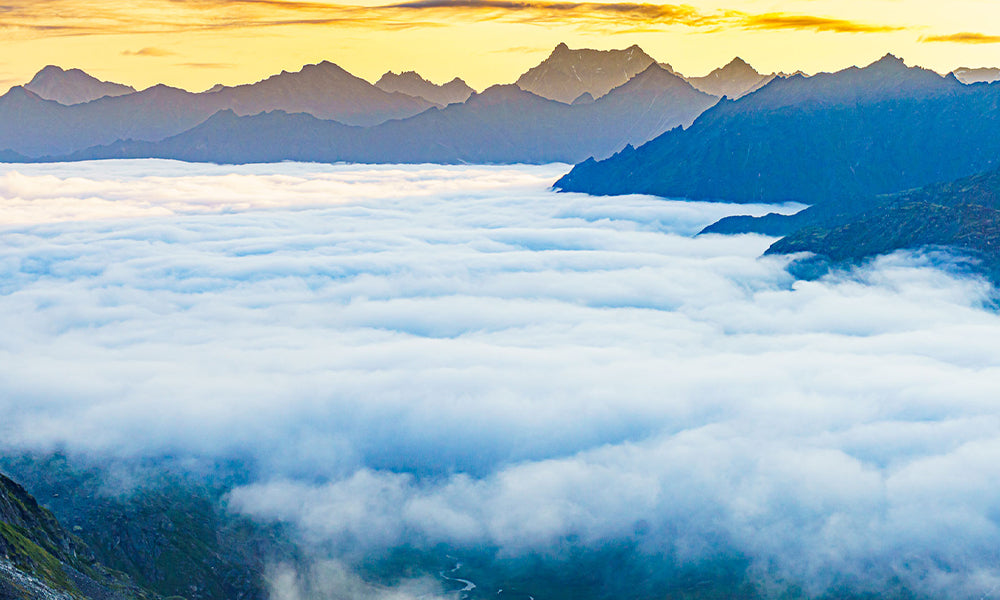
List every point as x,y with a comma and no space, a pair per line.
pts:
460,357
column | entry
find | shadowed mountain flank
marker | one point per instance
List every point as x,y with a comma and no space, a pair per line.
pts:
858,132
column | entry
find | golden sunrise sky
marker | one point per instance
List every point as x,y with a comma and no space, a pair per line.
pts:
196,43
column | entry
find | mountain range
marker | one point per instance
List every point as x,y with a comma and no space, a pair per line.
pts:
63,113
33,126
503,124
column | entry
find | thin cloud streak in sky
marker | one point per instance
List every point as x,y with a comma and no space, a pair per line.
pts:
963,38
58,18
148,51
778,21
354,331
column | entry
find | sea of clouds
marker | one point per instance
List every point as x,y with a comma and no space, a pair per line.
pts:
459,355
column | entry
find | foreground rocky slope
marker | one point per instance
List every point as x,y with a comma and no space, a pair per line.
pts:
41,560
168,534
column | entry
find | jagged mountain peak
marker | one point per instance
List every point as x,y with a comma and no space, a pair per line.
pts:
734,80
567,73
735,68
739,63
413,84
890,59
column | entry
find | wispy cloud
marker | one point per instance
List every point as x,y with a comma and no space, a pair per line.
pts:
206,65
62,17
812,23
148,51
963,38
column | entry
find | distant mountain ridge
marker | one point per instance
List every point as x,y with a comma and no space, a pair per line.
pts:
857,132
73,86
733,80
34,127
567,74
412,84
324,90
503,124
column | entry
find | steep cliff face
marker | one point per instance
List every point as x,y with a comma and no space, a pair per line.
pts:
41,560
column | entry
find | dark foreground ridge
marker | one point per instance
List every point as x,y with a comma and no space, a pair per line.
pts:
963,215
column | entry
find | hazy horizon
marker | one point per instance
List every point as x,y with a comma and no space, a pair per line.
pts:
445,79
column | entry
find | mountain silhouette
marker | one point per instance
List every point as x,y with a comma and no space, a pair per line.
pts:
323,90
72,86
734,80
857,132
412,84
567,74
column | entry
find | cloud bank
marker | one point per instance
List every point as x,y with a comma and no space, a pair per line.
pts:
425,355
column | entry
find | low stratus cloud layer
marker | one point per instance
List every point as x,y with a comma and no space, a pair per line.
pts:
453,355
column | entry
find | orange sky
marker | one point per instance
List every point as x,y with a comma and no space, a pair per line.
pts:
197,43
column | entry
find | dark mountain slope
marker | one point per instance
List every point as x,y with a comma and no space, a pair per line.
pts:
503,124
73,86
567,74
858,132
